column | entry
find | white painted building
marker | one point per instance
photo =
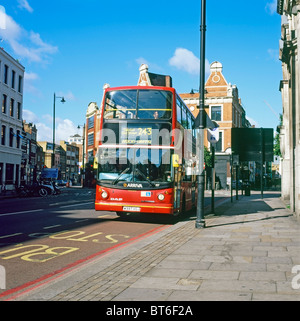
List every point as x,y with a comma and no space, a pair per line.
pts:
11,94
290,91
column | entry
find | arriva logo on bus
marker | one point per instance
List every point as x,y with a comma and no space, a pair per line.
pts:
2,278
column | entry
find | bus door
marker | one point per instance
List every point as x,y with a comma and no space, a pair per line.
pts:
177,171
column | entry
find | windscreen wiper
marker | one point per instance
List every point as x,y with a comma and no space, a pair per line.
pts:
146,178
124,172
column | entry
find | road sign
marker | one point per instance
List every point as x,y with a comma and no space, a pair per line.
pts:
213,135
253,144
49,173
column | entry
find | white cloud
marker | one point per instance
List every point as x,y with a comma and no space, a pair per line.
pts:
42,47
29,86
44,133
28,45
67,95
63,130
23,4
141,61
184,59
253,122
271,7
151,65
48,118
2,18
274,54
12,30
30,76
29,116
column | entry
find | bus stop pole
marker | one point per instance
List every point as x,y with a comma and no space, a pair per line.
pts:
200,222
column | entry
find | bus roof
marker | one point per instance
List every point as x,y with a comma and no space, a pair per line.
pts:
141,87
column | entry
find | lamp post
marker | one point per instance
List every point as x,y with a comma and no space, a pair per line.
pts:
200,222
53,139
83,154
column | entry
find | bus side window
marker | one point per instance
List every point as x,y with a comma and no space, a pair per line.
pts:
189,120
184,117
193,127
178,110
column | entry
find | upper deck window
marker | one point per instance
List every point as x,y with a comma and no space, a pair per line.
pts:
138,104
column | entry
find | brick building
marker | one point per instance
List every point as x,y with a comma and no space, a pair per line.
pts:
223,105
29,153
69,165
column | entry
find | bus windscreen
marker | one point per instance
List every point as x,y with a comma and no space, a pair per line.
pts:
149,167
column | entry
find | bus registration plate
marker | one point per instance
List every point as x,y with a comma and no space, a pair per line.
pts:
131,208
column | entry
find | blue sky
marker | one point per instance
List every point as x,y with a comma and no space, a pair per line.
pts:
74,47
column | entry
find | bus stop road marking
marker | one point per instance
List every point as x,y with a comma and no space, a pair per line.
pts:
32,285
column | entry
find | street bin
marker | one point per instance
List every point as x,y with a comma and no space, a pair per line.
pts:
247,189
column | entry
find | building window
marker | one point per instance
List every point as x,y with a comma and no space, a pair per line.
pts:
19,111
3,133
219,144
11,107
91,139
18,139
4,102
13,78
11,137
90,156
216,113
91,122
1,172
20,84
5,74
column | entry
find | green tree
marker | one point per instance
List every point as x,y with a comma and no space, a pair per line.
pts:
207,157
277,151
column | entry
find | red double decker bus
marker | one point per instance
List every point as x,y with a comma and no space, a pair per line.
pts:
147,152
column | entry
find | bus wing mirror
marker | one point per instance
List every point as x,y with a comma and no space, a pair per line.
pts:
175,160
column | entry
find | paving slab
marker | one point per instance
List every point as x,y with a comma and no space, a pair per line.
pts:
249,250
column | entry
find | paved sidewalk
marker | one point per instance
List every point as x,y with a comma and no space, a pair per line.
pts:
249,250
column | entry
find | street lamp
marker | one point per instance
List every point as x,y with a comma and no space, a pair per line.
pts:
53,139
83,154
200,222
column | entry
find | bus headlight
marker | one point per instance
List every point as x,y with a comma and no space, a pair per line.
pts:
104,194
161,197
